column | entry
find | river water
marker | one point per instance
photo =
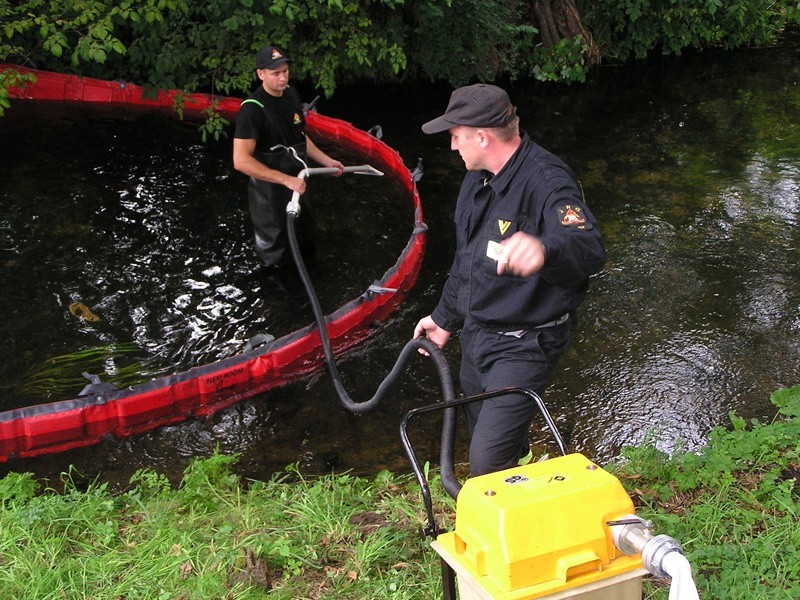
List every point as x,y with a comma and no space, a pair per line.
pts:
692,167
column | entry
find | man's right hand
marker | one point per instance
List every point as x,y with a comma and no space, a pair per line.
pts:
523,255
432,331
296,184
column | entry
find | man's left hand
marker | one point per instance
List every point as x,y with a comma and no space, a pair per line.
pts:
335,164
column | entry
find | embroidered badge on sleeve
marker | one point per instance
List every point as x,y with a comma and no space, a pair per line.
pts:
571,215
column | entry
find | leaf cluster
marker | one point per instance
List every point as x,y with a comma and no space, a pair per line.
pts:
638,28
734,506
210,46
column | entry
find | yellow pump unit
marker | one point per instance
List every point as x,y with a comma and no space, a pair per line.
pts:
539,531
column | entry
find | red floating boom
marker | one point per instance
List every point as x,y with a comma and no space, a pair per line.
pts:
200,391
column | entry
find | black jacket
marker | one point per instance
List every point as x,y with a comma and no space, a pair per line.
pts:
535,192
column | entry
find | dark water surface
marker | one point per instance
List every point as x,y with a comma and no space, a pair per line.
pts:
692,168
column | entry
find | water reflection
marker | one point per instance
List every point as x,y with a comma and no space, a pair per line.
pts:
691,168
155,240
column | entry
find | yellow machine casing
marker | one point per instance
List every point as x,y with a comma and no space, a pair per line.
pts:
531,531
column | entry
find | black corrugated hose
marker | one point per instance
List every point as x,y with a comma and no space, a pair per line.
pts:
446,464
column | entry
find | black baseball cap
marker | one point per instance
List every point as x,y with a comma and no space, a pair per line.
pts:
479,105
270,58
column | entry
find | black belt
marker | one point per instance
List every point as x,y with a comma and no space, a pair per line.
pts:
518,333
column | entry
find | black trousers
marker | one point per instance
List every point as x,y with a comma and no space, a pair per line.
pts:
490,361
268,212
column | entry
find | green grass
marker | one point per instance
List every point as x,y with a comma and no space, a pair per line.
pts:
733,507
215,536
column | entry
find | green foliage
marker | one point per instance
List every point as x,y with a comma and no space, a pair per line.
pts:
767,448
214,124
148,485
83,32
17,489
206,481
210,46
464,40
638,27
734,506
11,79
787,400
565,61
339,40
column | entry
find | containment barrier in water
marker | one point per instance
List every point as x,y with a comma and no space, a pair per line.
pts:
203,390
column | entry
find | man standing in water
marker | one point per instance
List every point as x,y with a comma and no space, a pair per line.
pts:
526,245
272,116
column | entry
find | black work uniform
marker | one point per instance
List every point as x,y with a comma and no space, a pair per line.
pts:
275,120
514,329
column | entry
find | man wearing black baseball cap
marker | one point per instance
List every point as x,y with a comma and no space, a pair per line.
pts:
526,245
269,123
477,105
270,58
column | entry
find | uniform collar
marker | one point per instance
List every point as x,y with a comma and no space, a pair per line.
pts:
503,179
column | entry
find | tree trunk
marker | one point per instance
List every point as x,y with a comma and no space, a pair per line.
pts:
560,19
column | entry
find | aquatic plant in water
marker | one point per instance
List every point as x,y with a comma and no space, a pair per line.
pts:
63,376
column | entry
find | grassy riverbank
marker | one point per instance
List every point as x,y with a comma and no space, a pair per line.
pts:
734,508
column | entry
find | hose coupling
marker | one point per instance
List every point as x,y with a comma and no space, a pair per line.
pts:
630,533
634,535
656,550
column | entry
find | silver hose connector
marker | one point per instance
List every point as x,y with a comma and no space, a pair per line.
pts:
656,550
661,555
630,533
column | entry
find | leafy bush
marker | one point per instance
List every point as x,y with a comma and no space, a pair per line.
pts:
210,46
734,506
635,28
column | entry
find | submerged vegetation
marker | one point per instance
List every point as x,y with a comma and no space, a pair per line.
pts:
734,508
55,378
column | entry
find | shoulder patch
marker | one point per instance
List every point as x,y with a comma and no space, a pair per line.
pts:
570,215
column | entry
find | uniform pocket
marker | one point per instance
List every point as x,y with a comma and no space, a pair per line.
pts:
499,227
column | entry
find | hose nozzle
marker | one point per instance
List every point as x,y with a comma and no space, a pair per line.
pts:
293,208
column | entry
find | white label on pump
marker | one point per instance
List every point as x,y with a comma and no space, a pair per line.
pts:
514,479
